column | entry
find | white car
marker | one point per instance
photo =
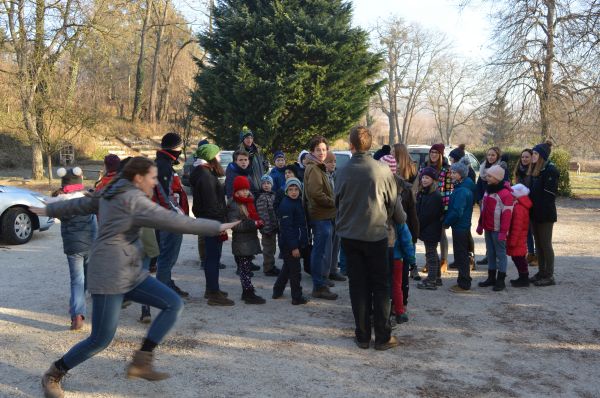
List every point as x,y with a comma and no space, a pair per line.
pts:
419,153
17,223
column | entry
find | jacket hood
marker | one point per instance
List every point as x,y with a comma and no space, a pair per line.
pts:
520,190
118,188
467,183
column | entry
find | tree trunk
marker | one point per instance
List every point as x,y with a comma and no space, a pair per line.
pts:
37,160
49,161
154,78
546,95
139,75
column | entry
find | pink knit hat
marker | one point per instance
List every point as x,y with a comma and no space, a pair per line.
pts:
390,161
497,172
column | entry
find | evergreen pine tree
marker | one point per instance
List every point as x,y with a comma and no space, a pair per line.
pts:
499,122
287,69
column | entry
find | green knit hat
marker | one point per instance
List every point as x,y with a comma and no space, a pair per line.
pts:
207,152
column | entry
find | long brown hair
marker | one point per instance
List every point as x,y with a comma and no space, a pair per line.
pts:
498,155
405,168
518,165
216,167
439,164
536,168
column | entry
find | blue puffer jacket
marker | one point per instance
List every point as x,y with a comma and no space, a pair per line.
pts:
460,208
78,232
292,224
232,171
278,176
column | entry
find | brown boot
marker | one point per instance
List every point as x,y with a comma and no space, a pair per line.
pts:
218,299
141,367
532,260
444,266
77,322
51,383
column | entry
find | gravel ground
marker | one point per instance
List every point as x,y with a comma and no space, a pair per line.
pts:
520,342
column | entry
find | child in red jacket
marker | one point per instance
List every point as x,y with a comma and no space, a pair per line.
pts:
496,213
516,245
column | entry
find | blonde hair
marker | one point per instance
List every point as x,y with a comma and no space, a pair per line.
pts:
405,168
432,188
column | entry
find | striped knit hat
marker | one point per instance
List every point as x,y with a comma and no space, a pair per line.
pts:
390,161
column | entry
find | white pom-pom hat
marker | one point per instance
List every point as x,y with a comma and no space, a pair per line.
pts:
70,176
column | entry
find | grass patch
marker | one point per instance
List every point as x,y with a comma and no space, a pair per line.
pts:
585,185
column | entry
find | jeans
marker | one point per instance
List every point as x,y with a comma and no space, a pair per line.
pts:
542,232
105,318
460,242
290,271
343,268
169,244
368,275
214,248
320,259
444,246
496,252
77,269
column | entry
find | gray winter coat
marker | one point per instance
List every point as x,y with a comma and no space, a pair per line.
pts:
244,241
116,258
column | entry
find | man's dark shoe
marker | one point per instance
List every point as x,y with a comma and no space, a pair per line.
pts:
181,293
250,297
392,342
324,293
363,345
483,261
337,277
220,291
545,282
300,301
218,299
273,272
536,277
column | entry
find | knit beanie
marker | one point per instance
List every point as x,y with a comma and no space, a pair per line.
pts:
385,150
457,153
543,149
278,154
70,176
241,182
207,152
293,181
246,132
461,167
170,141
430,172
202,142
390,161
266,178
111,163
438,147
330,157
497,172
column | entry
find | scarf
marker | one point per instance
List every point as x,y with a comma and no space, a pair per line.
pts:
73,188
312,158
249,203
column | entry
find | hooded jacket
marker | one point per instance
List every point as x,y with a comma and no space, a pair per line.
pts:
232,171
318,192
209,196
293,233
516,244
116,257
78,232
460,208
544,189
278,176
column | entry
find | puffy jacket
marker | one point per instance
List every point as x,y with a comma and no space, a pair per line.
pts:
265,207
496,210
516,244
405,190
293,233
244,240
232,171
482,182
105,180
544,189
278,176
169,192
430,211
318,193
78,232
460,208
209,195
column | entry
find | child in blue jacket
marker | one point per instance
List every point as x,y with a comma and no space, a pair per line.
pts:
293,239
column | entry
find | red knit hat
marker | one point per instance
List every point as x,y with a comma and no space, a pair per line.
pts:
241,182
438,147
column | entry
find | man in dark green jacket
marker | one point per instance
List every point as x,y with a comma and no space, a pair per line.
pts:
365,197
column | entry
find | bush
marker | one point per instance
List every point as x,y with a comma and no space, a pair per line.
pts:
559,157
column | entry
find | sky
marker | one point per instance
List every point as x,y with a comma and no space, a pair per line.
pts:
467,29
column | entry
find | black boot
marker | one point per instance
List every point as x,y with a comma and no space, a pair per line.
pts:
490,281
499,286
522,281
250,297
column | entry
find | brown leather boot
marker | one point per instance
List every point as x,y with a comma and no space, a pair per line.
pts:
444,266
51,383
77,322
141,367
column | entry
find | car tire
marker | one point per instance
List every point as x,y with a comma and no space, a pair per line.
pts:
17,226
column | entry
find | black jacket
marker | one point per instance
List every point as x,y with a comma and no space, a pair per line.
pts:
430,211
410,207
209,195
544,189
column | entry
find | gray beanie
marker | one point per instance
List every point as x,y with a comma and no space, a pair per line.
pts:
461,167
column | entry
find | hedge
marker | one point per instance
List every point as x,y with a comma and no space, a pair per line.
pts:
559,157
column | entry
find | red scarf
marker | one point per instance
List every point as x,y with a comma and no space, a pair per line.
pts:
249,203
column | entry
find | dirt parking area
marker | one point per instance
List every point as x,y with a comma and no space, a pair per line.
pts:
517,343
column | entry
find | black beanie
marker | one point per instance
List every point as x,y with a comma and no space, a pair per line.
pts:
170,141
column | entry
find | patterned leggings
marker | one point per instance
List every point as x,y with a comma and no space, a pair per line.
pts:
243,262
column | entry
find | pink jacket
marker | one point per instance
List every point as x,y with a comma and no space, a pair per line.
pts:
516,245
496,211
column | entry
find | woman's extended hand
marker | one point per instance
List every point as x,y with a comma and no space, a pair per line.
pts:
40,211
228,225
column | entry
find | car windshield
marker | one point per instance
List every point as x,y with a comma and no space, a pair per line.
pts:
226,158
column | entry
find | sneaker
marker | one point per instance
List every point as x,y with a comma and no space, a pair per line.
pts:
181,293
545,282
337,277
483,261
77,322
324,293
427,284
402,318
439,282
146,317
272,272
218,299
300,301
391,343
458,289
250,297
363,345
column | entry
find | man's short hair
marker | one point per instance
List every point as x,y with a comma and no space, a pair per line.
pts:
319,139
240,152
361,138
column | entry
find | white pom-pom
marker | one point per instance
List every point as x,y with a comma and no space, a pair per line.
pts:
61,172
77,171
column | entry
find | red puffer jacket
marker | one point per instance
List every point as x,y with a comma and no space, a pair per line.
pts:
516,244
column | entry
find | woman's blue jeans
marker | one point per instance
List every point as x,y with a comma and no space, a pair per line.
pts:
105,318
77,270
320,259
